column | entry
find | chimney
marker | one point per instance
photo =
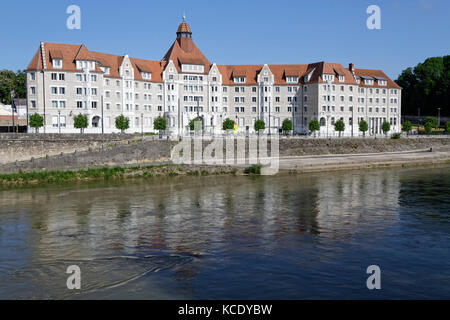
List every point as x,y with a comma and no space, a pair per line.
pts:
351,67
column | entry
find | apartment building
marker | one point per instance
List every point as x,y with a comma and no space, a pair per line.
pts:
64,80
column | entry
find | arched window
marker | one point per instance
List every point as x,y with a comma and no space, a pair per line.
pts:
322,122
95,121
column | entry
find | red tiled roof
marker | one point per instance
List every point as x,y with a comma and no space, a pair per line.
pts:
375,73
184,50
184,28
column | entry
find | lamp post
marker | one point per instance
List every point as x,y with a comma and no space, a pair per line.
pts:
439,117
59,121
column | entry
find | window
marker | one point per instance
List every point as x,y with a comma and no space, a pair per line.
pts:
33,104
32,76
33,90
291,79
57,63
94,104
80,104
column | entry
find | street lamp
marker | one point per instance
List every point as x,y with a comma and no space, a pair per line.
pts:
59,121
439,117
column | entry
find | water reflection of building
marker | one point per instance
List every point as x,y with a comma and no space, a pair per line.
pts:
352,201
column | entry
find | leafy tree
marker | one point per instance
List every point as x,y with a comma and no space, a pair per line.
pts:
386,127
192,123
36,121
426,86
80,122
407,126
314,126
228,124
447,127
428,127
363,127
433,121
122,123
287,125
12,81
339,126
259,125
160,124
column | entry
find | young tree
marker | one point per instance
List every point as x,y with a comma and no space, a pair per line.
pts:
447,127
407,126
80,122
428,127
339,126
259,125
160,124
192,123
314,126
287,125
36,121
433,121
228,124
386,127
122,123
363,127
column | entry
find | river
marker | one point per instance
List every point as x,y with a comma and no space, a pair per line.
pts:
308,236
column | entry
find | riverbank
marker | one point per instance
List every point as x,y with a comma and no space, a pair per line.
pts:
287,165
163,170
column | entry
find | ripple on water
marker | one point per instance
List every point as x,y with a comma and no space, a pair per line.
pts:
47,280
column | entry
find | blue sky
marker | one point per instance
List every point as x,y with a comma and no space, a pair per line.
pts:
237,32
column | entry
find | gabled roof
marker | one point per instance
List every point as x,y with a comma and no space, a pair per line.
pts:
250,72
184,50
375,74
84,54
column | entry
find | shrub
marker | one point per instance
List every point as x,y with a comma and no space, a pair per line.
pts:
339,126
36,121
407,126
287,125
192,123
363,127
122,123
433,122
447,127
253,169
386,127
80,122
259,125
160,124
228,124
428,127
314,126
397,135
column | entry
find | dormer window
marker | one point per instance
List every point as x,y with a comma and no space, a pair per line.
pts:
146,75
195,68
57,63
239,79
341,78
106,70
291,79
85,65
382,82
368,82
328,77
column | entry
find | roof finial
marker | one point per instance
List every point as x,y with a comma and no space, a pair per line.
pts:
184,16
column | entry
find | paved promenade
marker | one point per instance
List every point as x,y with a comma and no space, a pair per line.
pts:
361,161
